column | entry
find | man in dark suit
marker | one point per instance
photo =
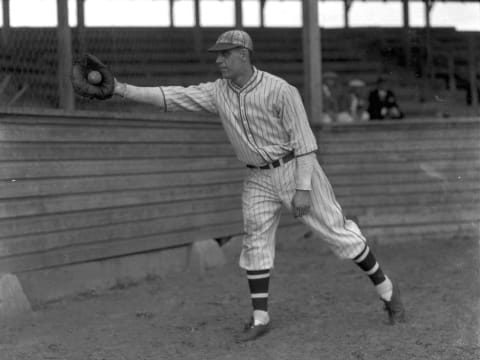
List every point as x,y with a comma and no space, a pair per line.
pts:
382,103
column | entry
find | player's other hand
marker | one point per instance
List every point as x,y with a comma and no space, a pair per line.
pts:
301,203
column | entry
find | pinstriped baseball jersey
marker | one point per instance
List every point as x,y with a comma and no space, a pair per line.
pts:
264,119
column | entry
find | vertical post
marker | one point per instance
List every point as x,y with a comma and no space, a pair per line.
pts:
472,69
238,14
82,43
65,90
346,13
197,33
428,38
172,13
452,83
406,33
312,61
262,13
6,21
197,13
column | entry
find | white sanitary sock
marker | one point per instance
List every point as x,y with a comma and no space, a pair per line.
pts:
260,317
385,289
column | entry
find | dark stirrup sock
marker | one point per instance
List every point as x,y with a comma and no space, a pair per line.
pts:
258,281
367,262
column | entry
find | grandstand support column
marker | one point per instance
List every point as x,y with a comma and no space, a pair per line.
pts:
346,13
6,21
262,13
64,37
82,43
428,38
312,61
472,69
238,14
171,12
198,34
406,34
452,82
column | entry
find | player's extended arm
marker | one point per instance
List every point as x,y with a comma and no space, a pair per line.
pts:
171,98
144,94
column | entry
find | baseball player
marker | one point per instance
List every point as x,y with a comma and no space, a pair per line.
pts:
266,123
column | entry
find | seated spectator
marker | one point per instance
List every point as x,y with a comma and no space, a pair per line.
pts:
335,100
382,103
357,102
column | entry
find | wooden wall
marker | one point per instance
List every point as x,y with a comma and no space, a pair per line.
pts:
407,179
76,188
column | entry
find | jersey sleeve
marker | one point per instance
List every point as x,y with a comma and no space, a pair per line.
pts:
295,121
192,98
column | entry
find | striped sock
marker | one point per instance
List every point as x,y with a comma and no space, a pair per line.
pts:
258,281
367,262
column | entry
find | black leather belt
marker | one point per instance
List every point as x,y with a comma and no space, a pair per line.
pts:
276,163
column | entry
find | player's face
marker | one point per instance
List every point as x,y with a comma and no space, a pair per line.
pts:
231,63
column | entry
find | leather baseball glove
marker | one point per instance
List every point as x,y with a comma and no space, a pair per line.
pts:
80,70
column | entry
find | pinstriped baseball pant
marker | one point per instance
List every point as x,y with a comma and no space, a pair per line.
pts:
264,193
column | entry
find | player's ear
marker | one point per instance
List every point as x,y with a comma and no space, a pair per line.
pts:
245,54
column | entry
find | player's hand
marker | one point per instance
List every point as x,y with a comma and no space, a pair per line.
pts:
301,203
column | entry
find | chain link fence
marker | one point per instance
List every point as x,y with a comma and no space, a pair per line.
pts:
28,68
142,56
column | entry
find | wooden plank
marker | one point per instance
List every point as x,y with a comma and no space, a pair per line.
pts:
224,168
434,167
45,223
400,178
359,203
104,250
87,134
118,231
365,146
80,202
370,189
31,151
422,214
420,229
394,156
402,135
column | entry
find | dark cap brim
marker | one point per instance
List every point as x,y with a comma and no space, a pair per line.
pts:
222,47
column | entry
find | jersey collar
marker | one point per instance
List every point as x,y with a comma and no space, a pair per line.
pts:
251,83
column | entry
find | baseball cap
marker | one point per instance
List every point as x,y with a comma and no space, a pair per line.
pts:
232,39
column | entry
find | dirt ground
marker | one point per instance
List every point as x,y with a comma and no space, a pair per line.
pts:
321,308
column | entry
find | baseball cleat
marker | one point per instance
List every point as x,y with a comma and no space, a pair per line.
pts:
395,308
253,332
